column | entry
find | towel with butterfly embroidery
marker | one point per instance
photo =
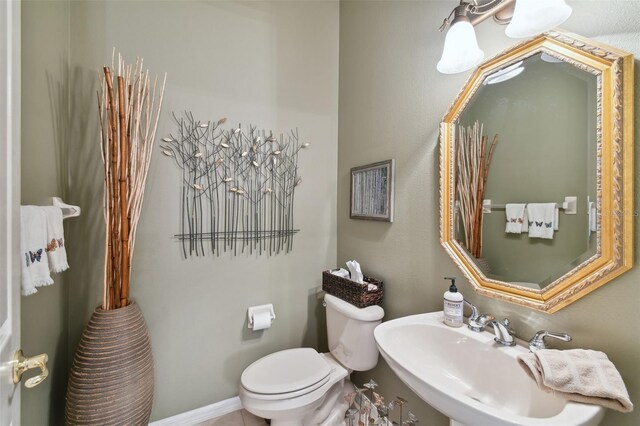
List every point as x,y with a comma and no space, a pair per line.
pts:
517,221
56,251
543,220
42,246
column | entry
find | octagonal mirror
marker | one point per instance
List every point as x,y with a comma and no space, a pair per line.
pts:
537,171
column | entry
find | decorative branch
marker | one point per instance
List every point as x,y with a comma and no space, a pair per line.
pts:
128,120
472,171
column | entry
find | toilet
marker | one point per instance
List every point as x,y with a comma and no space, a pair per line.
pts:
300,386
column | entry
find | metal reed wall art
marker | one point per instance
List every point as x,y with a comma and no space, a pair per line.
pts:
238,187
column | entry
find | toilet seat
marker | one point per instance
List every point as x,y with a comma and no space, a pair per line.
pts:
286,374
291,408
288,395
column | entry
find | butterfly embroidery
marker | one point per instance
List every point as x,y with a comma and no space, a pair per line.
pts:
519,220
37,256
538,223
530,223
548,224
52,245
60,242
513,220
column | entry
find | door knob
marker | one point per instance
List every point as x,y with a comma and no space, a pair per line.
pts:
22,363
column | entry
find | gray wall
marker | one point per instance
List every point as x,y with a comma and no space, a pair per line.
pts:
273,64
391,102
45,51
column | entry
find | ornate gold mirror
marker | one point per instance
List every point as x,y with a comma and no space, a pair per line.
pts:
536,191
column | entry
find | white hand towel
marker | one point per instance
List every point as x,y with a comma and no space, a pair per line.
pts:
525,220
543,218
56,252
580,375
33,241
515,218
593,217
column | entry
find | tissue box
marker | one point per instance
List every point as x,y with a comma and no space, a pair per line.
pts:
355,293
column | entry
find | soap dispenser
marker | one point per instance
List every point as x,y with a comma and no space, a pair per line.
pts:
453,305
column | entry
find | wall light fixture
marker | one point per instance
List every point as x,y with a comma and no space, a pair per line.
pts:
525,18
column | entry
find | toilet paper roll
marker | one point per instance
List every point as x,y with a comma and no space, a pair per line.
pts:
261,321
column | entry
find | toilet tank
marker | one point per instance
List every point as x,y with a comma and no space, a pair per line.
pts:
350,333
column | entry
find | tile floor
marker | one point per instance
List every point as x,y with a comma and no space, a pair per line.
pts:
237,418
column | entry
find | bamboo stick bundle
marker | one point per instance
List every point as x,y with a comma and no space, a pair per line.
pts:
129,108
472,161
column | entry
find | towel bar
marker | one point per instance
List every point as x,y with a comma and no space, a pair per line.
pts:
67,209
569,205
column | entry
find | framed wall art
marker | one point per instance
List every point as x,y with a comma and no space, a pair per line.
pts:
372,191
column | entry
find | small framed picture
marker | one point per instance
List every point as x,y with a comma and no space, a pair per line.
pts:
372,191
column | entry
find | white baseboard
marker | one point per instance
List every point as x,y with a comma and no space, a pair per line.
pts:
202,414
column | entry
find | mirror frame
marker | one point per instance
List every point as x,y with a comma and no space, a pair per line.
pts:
613,69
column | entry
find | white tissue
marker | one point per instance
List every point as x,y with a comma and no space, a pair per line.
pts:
355,271
342,273
260,317
261,321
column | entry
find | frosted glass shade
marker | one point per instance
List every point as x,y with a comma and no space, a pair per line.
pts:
532,17
461,51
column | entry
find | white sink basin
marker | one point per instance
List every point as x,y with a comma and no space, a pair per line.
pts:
470,378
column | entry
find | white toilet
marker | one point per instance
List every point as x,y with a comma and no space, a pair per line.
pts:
303,387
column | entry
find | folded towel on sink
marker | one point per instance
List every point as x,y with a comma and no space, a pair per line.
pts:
580,375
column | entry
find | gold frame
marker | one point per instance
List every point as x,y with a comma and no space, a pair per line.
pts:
614,71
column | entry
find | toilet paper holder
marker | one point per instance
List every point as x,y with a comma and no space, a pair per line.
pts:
258,310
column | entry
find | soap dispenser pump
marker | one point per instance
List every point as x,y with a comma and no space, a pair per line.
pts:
453,305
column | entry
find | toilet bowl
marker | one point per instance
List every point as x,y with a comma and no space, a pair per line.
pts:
300,386
277,387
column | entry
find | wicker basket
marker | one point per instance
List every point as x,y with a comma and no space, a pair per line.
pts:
355,293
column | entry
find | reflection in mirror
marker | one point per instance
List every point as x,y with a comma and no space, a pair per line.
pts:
545,113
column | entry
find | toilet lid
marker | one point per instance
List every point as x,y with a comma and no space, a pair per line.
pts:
285,371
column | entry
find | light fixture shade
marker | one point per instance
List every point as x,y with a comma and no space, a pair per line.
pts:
504,74
461,51
532,17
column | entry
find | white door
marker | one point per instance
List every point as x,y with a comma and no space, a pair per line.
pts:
9,208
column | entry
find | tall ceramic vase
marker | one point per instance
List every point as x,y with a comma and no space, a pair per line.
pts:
111,379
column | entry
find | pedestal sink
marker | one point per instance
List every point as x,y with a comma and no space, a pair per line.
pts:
471,379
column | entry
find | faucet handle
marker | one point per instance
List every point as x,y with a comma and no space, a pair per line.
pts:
477,321
480,322
537,341
474,311
504,334
507,325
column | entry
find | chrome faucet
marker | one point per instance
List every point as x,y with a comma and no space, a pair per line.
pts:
481,322
537,341
504,333
477,321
